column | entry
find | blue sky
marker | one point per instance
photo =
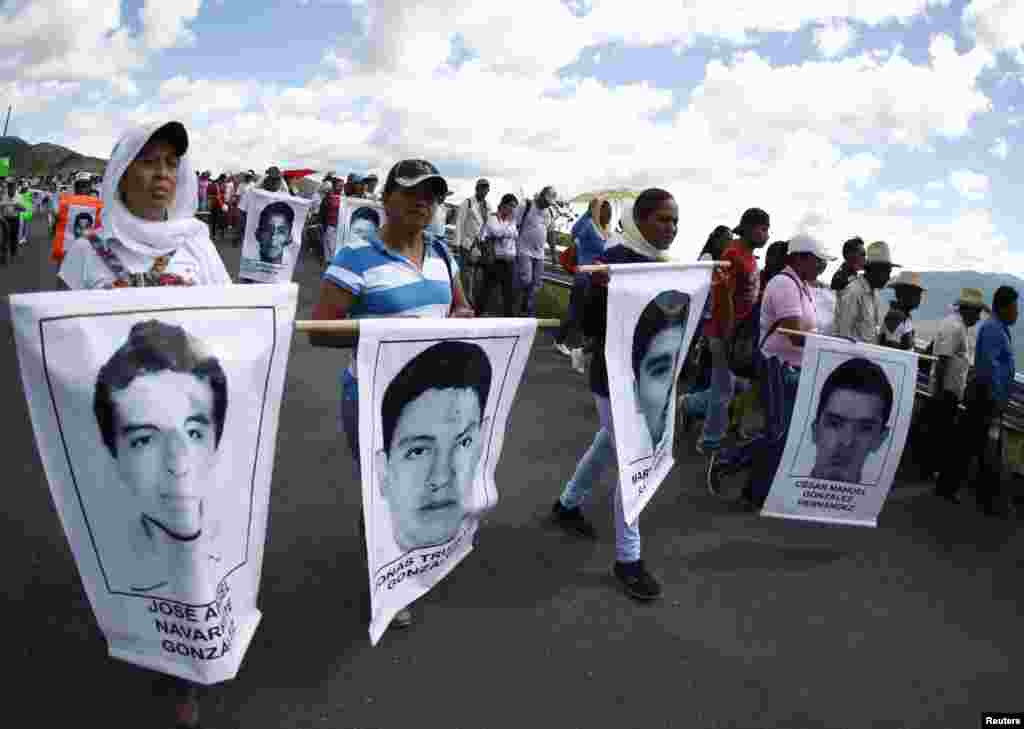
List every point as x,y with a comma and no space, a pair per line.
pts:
902,122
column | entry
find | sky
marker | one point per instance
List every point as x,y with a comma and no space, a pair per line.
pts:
895,120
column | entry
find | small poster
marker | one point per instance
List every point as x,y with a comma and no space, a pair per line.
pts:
850,422
155,412
653,311
77,214
273,236
434,401
358,220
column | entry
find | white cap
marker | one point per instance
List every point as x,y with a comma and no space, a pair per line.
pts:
804,243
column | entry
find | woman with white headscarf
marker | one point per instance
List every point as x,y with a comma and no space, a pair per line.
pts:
150,235
649,227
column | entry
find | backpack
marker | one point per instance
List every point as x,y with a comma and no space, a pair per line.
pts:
742,351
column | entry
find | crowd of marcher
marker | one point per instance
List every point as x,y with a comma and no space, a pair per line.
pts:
150,235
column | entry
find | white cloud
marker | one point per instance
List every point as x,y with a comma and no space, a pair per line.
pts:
1001,149
834,38
971,185
935,185
28,97
996,24
932,204
897,199
164,22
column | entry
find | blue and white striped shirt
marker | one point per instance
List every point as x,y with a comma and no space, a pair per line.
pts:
386,284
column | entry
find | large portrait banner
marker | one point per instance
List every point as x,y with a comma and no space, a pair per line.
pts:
850,421
434,401
273,235
155,412
653,311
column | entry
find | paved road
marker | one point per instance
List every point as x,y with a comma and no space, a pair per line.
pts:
764,623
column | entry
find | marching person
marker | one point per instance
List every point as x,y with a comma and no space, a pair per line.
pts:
150,237
11,208
402,270
859,309
897,330
470,217
371,186
498,259
215,192
952,347
650,224
590,233
533,219
852,265
330,208
980,431
788,303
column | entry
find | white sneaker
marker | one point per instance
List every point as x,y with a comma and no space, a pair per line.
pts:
577,360
562,349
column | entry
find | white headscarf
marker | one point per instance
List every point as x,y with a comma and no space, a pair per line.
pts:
634,240
181,229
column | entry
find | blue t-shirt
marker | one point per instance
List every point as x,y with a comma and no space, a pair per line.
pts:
993,358
386,284
589,245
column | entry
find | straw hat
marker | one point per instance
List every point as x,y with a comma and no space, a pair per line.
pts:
907,278
878,252
973,298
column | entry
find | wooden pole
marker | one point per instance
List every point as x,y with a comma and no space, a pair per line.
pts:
783,330
351,326
603,267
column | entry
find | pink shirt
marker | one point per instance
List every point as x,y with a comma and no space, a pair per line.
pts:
786,296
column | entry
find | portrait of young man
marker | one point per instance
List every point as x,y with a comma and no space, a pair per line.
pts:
160,403
83,222
274,231
852,421
364,224
434,427
657,348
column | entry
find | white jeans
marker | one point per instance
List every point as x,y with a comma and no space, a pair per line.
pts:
588,472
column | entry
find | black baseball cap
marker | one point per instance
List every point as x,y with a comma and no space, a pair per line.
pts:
852,245
174,134
273,172
482,183
411,172
752,216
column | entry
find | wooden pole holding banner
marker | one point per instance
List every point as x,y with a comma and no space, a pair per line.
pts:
351,326
603,267
798,333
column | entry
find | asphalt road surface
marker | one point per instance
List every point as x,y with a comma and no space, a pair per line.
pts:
764,623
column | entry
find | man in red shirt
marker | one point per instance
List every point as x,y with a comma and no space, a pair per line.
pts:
735,291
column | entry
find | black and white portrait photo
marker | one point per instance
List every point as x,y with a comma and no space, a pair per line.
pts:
365,223
274,231
850,420
433,424
271,244
653,311
359,220
83,221
434,401
155,412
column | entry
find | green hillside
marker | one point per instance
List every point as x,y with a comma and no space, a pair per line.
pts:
37,160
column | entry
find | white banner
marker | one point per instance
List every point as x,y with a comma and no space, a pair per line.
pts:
155,412
853,409
653,311
434,400
273,235
358,219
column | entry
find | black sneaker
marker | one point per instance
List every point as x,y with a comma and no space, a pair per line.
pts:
637,581
572,521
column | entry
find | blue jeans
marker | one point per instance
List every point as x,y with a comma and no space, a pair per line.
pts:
531,273
779,382
719,396
588,472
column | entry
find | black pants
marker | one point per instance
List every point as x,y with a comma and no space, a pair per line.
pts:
500,275
941,415
570,332
218,221
970,441
12,235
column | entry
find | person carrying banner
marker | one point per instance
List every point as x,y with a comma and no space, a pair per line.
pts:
649,224
150,237
402,270
788,303
83,197
980,433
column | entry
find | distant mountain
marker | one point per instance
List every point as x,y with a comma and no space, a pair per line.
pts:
36,160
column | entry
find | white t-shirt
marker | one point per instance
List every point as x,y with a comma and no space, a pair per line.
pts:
952,341
825,309
82,268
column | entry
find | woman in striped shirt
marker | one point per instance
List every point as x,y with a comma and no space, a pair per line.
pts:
403,270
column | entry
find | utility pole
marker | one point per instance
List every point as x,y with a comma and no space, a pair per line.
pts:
9,107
